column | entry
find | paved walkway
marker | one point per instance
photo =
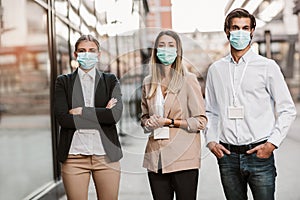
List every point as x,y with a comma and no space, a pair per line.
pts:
134,183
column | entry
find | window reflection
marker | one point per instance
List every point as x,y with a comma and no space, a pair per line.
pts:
25,134
62,46
84,29
61,7
75,19
88,18
75,3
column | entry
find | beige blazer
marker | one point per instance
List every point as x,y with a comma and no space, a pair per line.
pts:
182,150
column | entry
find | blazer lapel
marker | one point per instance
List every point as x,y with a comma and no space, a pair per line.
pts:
77,94
97,79
101,94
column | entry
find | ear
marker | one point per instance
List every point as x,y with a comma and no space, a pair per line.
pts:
75,54
251,32
227,34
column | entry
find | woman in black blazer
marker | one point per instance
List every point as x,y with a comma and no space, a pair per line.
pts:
88,105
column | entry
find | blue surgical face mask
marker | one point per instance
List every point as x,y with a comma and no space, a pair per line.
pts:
87,60
239,39
166,55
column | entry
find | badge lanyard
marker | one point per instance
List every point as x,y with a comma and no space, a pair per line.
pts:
235,92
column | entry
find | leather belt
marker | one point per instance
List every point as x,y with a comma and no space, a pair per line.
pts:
241,149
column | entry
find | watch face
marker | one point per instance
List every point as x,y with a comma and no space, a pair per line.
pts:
172,123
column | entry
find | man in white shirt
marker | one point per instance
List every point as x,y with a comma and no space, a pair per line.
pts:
249,110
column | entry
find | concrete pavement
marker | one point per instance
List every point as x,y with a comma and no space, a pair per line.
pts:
134,183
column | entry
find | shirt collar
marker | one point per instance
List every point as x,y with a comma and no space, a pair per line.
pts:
92,72
245,58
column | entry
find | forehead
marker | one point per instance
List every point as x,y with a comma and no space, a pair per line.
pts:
241,22
87,45
166,39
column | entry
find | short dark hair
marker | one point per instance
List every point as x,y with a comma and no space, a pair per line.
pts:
87,38
239,13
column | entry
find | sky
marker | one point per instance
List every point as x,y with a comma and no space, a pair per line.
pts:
205,15
187,15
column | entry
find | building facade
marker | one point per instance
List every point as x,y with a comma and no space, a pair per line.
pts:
37,40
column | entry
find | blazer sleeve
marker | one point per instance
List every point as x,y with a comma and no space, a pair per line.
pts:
105,115
144,107
197,120
62,107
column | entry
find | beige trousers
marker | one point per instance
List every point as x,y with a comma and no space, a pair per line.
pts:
76,171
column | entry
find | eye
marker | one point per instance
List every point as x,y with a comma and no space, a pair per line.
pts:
93,50
81,50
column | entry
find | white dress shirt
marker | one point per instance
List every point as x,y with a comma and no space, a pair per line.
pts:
160,102
87,141
262,92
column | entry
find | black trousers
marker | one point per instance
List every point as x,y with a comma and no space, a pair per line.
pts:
182,183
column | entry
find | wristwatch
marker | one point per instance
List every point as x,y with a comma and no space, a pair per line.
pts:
172,123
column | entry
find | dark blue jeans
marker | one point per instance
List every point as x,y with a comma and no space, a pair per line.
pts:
239,170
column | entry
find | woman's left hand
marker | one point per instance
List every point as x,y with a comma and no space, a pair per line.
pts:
155,121
76,111
112,102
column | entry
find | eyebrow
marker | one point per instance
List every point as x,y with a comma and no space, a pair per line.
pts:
85,49
236,26
166,42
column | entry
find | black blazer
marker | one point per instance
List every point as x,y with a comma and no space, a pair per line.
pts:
68,95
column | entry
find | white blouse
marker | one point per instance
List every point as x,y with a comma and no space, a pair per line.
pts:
87,141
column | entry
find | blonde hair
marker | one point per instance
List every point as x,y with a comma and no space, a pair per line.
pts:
178,71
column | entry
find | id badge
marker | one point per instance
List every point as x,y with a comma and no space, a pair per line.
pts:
161,133
235,112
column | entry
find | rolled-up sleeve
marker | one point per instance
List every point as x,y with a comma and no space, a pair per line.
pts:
198,119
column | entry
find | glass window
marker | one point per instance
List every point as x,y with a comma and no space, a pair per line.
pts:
73,38
62,47
89,4
36,25
89,18
74,35
75,3
61,7
84,29
74,18
25,131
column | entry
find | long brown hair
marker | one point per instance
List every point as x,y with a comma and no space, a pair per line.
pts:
156,66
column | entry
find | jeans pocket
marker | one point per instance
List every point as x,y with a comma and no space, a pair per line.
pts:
263,159
222,159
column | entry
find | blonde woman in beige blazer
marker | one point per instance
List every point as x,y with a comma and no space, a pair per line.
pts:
173,114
